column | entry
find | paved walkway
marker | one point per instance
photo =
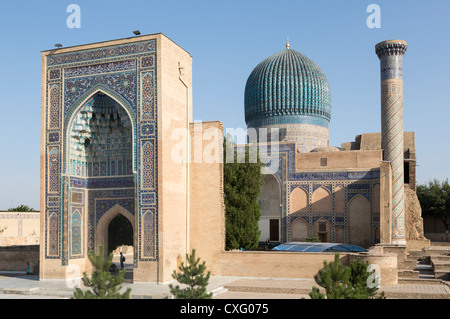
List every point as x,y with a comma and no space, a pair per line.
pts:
16,285
19,284
253,288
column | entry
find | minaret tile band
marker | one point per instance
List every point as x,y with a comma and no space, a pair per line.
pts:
391,55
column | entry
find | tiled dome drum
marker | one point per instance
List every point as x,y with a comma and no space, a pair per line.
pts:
290,92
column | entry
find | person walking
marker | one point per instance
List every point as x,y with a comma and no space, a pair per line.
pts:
122,260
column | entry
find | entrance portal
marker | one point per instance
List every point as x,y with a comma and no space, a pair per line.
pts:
102,148
120,233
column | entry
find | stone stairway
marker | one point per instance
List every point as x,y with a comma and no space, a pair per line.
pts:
441,267
430,265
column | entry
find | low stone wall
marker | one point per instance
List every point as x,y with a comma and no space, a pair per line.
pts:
301,265
271,264
438,237
124,249
15,258
19,241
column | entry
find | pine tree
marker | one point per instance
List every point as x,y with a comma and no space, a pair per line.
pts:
359,281
335,278
192,275
242,187
103,284
344,282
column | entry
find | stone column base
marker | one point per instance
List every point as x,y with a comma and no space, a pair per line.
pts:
386,266
399,250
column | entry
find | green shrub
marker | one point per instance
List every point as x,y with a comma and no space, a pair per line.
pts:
103,284
192,275
342,282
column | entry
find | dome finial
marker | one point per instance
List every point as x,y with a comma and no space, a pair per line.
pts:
287,44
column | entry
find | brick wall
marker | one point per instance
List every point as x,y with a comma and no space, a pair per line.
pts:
15,258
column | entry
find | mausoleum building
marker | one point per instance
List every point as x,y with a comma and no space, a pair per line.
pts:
118,138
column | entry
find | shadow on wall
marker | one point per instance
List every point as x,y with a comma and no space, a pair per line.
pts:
340,213
15,258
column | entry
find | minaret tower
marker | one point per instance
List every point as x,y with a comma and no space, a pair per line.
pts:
391,55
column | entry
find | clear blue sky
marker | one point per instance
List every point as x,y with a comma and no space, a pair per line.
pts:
227,39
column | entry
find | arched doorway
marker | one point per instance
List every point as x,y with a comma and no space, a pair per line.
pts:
269,201
120,233
103,232
117,219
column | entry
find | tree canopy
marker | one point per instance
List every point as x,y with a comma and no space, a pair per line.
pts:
21,208
434,198
242,187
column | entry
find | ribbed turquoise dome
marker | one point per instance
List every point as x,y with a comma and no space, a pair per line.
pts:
287,88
